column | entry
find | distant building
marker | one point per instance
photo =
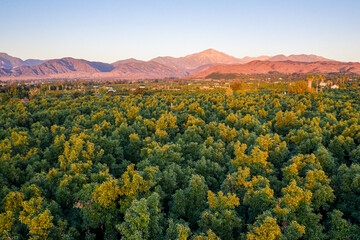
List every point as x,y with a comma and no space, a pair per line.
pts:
206,88
25,100
110,89
334,86
323,84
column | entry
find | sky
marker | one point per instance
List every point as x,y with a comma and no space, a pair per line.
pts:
109,30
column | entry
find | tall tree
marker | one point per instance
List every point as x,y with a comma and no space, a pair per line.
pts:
318,77
310,79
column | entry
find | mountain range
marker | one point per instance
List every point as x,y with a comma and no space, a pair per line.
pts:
194,65
288,67
9,62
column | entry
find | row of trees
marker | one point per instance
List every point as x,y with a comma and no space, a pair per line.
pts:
310,78
342,78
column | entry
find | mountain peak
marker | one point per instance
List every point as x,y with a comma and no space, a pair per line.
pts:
210,50
8,62
195,60
2,54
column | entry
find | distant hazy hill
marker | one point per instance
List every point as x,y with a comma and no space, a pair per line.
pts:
125,61
297,58
33,62
250,59
150,69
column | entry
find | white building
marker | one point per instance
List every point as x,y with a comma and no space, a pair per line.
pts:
323,84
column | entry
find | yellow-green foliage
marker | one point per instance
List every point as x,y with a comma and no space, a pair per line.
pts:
188,164
217,202
266,229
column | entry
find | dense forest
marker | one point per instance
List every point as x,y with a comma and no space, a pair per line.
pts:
193,165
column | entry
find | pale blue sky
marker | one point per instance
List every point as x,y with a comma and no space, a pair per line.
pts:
113,30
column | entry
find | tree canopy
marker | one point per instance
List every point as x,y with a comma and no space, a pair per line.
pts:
191,165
